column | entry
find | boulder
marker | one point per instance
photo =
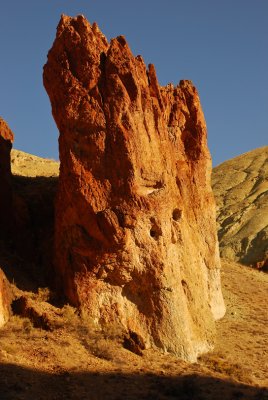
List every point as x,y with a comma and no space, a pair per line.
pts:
135,233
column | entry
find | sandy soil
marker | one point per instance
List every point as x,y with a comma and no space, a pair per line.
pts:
70,360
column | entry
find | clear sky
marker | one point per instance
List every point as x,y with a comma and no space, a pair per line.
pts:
221,45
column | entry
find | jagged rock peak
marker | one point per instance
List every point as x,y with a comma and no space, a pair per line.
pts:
135,240
5,131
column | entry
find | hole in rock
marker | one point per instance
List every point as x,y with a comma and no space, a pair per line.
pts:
176,215
155,232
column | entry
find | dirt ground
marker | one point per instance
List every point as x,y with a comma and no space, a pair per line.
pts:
242,335
69,359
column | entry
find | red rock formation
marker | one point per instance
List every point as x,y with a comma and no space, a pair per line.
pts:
6,140
5,299
136,236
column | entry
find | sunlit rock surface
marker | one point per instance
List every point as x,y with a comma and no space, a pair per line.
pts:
136,241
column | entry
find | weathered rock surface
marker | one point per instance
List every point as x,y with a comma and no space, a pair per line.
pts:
136,239
6,140
5,299
241,190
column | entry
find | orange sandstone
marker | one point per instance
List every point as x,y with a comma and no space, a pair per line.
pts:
135,239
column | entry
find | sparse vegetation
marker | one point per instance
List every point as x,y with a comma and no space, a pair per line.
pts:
79,355
233,370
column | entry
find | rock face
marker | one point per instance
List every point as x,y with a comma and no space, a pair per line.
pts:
241,190
136,239
5,299
6,140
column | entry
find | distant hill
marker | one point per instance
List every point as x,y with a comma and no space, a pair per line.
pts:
28,165
241,191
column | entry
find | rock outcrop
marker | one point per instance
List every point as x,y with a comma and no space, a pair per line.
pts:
241,190
136,240
6,140
5,299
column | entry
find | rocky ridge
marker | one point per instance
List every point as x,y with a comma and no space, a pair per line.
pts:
135,230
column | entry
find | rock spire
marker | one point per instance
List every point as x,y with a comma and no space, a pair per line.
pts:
136,240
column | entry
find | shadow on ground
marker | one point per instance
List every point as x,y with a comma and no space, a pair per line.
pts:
19,383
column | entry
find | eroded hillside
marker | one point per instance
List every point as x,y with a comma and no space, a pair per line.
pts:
241,189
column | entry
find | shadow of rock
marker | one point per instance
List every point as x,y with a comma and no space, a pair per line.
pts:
22,383
26,258
5,181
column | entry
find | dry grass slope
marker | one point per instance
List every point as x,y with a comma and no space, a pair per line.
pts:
24,164
241,190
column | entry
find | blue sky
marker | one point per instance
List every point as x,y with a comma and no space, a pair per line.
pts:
221,45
